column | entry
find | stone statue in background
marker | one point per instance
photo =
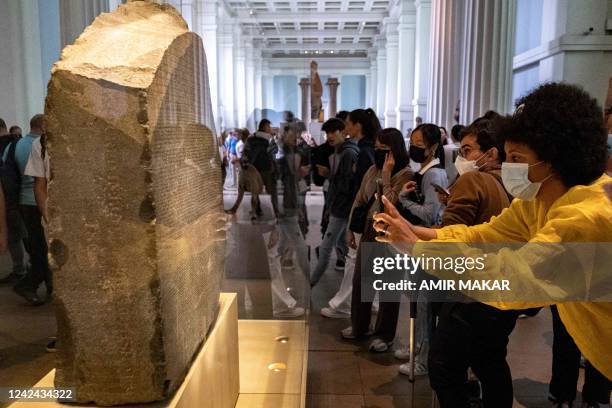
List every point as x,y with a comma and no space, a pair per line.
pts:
135,200
316,92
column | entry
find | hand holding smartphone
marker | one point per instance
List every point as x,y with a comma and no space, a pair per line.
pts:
441,190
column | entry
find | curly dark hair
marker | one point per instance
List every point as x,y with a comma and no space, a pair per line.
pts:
486,133
564,126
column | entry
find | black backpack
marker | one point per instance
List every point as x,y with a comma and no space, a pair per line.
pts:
10,176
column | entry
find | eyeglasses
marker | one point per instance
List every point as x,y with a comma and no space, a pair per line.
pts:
464,151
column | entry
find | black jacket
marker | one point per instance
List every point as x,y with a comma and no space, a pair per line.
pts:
256,152
5,141
320,155
365,159
341,192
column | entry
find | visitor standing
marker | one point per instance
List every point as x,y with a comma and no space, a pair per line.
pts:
257,152
340,195
15,227
36,243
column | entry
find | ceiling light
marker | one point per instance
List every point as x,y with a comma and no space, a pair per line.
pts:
332,51
251,12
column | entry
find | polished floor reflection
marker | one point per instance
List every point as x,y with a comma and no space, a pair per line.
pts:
341,374
345,374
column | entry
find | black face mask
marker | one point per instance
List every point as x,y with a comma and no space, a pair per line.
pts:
379,157
417,154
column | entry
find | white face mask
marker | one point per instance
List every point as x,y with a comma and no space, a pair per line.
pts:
464,165
515,177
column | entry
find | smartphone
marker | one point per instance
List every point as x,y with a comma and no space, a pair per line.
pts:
440,189
379,195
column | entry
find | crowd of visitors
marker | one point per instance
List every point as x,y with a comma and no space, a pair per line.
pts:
517,178
538,175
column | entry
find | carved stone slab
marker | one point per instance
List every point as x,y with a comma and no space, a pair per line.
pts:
134,202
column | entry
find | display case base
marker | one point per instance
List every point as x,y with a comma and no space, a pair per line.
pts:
273,362
212,380
243,364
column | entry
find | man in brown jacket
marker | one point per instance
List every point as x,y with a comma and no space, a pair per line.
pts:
473,334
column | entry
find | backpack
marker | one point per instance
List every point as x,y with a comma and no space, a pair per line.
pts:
10,176
258,153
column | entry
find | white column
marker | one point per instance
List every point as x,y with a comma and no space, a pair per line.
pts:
368,90
440,99
574,57
239,83
189,13
371,102
257,60
267,85
207,29
405,78
489,46
381,61
250,84
392,72
225,71
422,61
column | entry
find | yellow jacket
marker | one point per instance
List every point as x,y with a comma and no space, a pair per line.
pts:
582,214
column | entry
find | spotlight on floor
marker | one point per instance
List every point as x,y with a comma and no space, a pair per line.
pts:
277,367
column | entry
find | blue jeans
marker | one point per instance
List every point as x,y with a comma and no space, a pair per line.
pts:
335,237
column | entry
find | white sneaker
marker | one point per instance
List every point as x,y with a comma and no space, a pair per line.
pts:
379,346
402,353
419,369
335,313
348,333
290,313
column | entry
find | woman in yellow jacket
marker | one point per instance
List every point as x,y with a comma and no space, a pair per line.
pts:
556,152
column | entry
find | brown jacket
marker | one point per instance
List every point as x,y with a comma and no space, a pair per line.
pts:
391,187
475,197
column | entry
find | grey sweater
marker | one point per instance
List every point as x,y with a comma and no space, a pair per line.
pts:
430,210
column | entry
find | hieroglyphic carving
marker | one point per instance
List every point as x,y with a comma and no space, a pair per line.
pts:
134,200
